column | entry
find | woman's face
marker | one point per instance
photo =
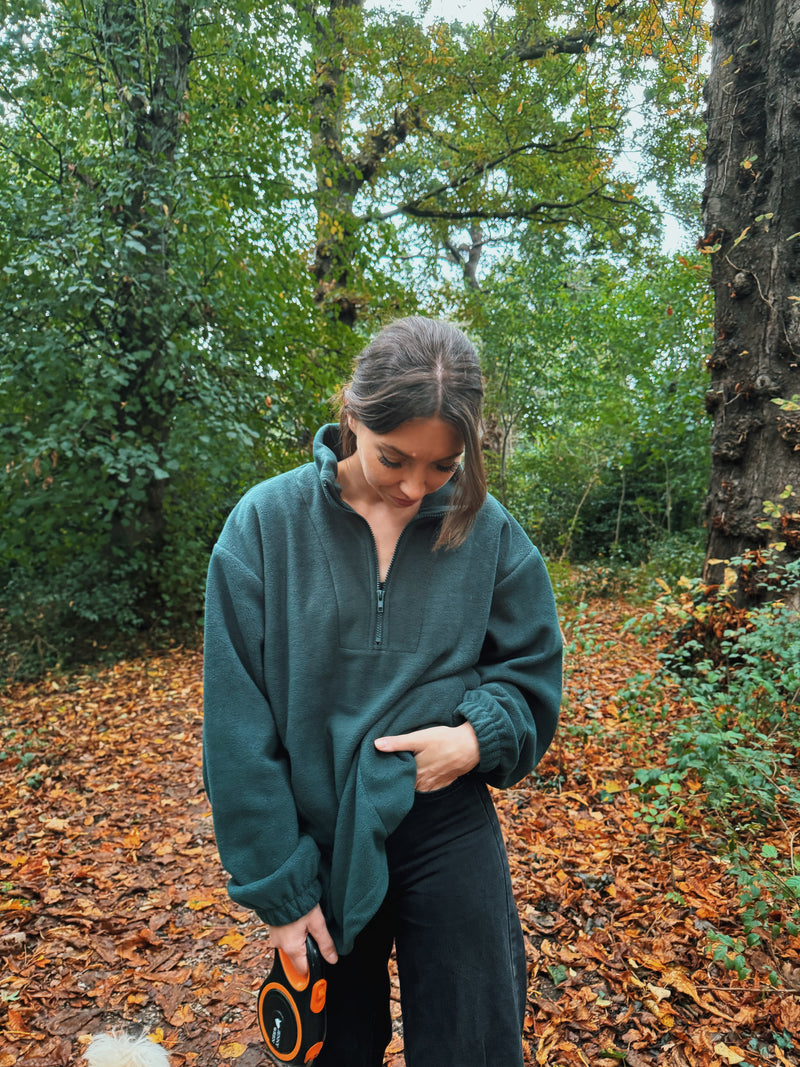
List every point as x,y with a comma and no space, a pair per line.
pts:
409,462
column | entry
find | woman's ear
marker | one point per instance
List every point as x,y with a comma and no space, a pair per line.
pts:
352,423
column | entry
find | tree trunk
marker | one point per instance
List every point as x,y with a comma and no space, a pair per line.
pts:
152,122
337,179
751,211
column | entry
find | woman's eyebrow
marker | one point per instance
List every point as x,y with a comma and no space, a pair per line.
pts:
397,452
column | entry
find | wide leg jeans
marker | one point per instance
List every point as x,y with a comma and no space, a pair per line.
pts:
460,954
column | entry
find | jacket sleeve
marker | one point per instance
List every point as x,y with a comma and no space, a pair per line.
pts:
273,866
514,709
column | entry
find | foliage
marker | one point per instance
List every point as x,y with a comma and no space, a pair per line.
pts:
424,135
202,214
597,436
141,307
735,752
614,577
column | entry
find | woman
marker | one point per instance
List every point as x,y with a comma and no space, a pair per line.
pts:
381,644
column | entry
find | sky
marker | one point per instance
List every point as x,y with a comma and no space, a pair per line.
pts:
448,10
464,10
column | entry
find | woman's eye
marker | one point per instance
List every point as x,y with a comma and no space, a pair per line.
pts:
387,462
450,468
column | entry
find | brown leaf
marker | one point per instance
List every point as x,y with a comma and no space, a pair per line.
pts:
233,940
183,1015
790,1014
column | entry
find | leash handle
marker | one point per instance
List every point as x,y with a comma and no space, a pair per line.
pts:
291,1008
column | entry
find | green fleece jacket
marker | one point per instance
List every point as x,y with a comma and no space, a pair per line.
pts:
307,661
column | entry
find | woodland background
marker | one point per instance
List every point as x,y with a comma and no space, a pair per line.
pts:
205,212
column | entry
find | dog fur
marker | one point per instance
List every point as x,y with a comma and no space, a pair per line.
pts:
124,1050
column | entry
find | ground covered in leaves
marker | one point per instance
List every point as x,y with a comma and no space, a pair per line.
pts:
113,912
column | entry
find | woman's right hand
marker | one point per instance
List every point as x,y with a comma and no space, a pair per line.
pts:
291,939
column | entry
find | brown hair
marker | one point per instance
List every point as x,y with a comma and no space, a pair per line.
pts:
418,368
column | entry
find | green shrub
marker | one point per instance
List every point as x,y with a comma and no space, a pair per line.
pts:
614,575
735,750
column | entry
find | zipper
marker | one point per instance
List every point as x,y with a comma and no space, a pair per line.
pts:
380,589
381,593
379,623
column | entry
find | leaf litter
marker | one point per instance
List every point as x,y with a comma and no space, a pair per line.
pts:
114,913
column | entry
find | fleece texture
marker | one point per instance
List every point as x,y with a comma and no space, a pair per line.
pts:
308,661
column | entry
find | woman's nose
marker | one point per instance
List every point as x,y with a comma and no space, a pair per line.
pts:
413,486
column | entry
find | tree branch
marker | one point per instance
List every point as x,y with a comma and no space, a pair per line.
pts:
29,162
412,207
528,212
379,144
468,264
573,44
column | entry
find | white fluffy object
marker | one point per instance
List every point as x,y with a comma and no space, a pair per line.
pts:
123,1050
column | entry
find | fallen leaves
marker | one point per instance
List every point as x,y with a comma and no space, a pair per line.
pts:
616,911
113,911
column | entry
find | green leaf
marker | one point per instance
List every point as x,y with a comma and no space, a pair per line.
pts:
131,242
558,973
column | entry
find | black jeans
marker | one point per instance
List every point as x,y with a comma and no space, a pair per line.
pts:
460,953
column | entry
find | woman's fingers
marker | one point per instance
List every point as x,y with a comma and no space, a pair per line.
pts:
291,939
412,742
297,956
318,929
442,753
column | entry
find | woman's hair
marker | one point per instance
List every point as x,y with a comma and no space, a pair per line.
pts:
418,368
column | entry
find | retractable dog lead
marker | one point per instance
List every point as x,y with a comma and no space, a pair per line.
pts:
291,1008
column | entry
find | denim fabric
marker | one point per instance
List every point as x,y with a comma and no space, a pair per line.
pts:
460,953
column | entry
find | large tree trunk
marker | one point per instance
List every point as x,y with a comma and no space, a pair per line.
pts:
752,225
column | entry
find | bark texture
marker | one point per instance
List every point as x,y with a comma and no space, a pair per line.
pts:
751,214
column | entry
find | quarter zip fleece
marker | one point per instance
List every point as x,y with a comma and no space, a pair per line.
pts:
308,661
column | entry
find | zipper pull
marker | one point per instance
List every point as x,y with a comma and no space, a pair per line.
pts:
379,627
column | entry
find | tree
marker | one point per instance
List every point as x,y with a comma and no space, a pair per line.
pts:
139,295
420,135
752,235
203,210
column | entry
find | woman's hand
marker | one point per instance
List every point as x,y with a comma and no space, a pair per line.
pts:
291,939
442,753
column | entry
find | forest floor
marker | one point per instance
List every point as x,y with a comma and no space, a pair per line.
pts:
114,914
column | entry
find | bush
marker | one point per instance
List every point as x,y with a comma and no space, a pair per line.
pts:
615,576
52,619
735,753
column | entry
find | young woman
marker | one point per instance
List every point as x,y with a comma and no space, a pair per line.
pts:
381,645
